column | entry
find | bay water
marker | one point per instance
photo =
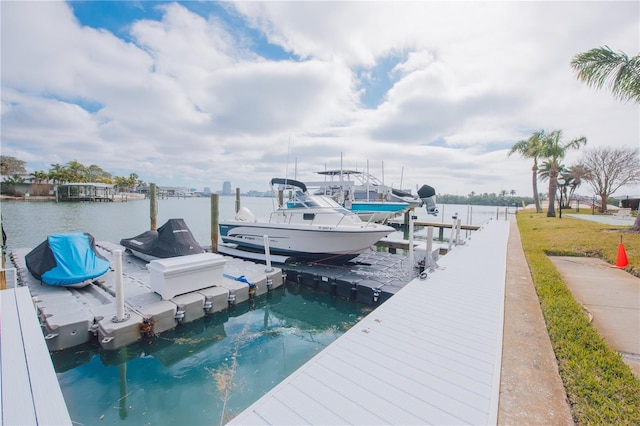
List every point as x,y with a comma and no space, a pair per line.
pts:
202,372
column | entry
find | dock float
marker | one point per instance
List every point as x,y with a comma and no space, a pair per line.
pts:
429,355
370,278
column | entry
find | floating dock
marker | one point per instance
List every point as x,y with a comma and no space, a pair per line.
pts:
73,316
370,278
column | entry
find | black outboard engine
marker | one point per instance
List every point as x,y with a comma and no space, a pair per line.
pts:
428,196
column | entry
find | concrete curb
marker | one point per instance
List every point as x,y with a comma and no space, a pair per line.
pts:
531,390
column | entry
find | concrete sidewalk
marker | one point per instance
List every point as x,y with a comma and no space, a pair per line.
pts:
612,298
606,219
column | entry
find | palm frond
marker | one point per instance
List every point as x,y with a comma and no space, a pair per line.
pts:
603,68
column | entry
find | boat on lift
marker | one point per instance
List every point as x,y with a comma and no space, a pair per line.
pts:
365,194
304,226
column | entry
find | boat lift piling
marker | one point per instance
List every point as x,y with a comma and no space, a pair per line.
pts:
412,262
268,268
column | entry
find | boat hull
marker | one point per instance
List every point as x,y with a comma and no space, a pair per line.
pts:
376,211
304,243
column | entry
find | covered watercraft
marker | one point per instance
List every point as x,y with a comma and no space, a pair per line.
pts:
68,260
172,239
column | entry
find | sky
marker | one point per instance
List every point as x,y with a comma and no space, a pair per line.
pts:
192,94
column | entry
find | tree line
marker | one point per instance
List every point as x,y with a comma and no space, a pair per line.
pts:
503,198
14,171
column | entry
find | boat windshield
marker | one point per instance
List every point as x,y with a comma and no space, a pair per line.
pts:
312,201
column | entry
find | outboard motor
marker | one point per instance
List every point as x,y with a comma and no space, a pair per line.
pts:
428,196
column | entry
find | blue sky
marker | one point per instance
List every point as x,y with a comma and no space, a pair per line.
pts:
197,93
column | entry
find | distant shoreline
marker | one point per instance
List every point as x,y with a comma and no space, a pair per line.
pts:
116,198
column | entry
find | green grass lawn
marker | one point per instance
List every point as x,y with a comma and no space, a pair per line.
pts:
600,387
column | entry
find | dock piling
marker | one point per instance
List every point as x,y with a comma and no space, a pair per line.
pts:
153,206
214,222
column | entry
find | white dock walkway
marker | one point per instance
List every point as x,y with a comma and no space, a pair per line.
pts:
30,393
429,355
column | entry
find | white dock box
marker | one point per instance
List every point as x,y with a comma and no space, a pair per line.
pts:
184,274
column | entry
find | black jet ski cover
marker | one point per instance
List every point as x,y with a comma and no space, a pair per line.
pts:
172,239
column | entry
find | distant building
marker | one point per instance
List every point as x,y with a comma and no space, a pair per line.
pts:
226,188
207,190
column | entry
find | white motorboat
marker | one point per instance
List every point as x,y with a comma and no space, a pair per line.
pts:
305,226
368,196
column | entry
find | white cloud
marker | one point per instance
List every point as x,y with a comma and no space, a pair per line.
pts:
189,100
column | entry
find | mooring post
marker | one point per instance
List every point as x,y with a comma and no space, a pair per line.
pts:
153,206
119,286
458,226
3,273
267,253
214,222
428,260
453,229
237,200
412,262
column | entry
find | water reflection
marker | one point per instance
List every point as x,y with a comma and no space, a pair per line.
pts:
207,371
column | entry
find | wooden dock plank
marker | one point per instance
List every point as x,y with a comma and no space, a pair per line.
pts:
429,355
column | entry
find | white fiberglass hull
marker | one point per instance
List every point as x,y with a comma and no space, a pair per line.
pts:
304,242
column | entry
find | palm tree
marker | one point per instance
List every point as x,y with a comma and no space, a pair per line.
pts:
545,171
601,66
554,149
575,175
77,171
530,148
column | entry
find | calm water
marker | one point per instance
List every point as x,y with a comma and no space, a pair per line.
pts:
27,224
203,372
